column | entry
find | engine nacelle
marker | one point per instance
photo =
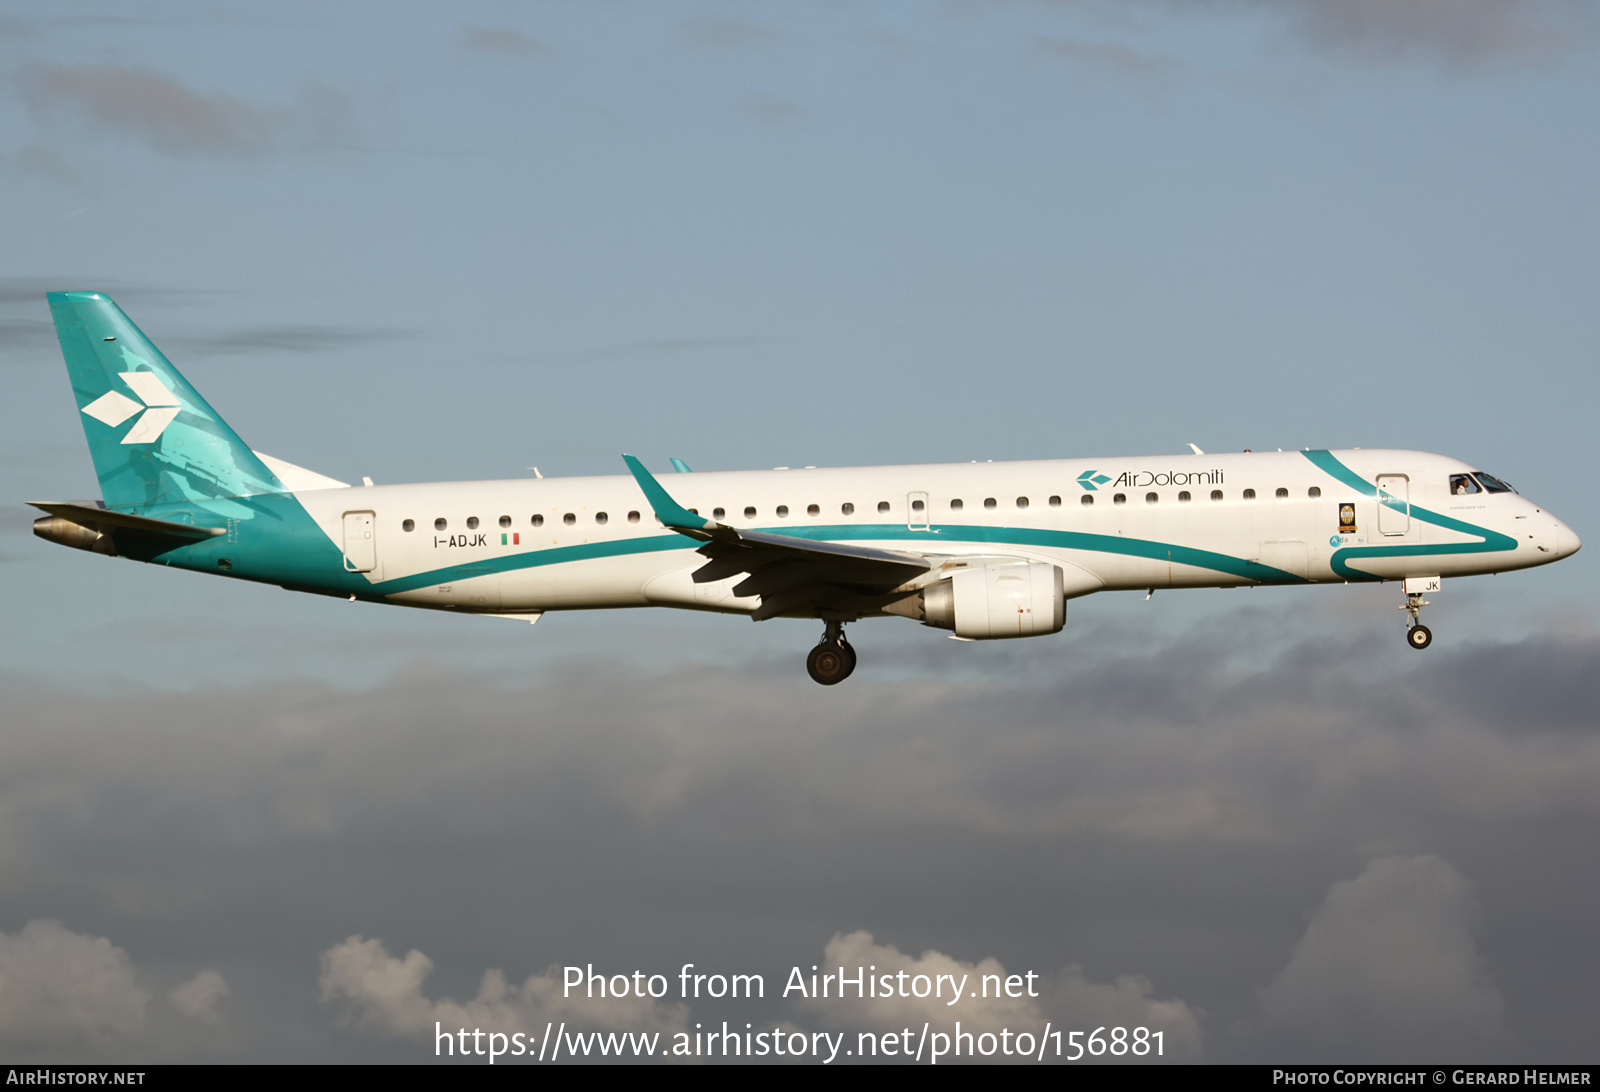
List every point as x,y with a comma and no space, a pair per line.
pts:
1026,599
66,533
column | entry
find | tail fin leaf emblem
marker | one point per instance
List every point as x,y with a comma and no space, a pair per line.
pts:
158,403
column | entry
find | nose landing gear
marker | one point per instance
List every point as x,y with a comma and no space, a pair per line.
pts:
1418,635
833,659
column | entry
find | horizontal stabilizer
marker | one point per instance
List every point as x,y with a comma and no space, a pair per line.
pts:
108,522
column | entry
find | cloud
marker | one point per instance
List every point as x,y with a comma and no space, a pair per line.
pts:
282,338
1462,35
504,42
1126,1002
1389,957
173,119
198,998
36,162
63,989
1153,811
992,999
858,949
383,994
1113,56
1457,36
723,32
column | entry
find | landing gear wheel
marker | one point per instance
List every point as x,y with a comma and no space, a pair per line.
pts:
831,663
1419,636
849,651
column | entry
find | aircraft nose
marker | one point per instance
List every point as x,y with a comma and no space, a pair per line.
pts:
1567,541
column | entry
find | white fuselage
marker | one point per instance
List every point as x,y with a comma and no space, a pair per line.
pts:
1117,523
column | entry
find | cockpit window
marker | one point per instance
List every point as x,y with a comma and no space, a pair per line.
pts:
1462,484
1494,485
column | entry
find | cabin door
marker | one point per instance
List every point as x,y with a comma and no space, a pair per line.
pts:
360,542
1394,504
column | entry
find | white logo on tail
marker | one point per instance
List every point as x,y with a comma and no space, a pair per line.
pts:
159,404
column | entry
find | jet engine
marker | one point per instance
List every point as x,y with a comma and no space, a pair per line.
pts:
1026,599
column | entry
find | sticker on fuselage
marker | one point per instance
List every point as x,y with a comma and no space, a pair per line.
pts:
1347,518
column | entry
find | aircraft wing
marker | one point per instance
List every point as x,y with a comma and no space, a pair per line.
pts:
790,574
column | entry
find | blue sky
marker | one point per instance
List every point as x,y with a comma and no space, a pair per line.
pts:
427,244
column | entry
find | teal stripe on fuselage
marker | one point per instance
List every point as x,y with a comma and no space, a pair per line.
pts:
1492,541
933,537
275,542
278,542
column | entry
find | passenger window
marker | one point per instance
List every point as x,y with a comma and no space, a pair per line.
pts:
718,513
600,518
783,511
505,521
538,521
1120,498
472,523
1151,498
883,508
749,513
813,510
1282,494
917,506
1249,494
847,509
1462,484
988,502
440,524
1022,502
1183,497
633,517
409,525
569,519
1314,492
1088,500
1216,494
956,505
1055,502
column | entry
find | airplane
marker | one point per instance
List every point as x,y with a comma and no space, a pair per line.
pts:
983,550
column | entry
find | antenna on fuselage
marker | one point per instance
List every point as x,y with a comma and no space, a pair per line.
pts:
1196,450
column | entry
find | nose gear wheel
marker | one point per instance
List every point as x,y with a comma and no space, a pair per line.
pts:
1418,636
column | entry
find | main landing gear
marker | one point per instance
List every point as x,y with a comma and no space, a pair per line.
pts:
1417,635
833,659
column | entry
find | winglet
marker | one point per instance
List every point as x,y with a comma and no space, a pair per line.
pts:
668,511
680,466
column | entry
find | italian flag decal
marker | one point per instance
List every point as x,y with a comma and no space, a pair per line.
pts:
513,539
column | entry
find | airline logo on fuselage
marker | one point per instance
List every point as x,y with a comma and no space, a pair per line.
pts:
1143,479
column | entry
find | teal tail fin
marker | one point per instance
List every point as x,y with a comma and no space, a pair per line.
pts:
154,440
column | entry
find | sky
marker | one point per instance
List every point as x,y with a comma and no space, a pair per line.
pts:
418,242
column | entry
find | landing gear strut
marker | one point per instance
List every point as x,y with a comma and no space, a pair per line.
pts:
833,659
1417,635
